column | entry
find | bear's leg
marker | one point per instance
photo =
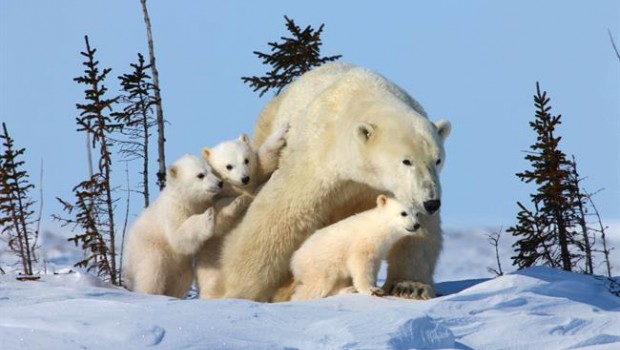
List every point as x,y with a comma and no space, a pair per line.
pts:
363,270
180,282
411,262
208,269
150,274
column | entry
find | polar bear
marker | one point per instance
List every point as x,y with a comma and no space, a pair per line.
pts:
353,135
244,170
163,240
346,256
242,166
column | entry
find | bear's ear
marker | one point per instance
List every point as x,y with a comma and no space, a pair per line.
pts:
205,153
443,128
173,172
244,138
364,131
381,200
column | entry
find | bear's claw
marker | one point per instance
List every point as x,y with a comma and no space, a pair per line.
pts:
411,290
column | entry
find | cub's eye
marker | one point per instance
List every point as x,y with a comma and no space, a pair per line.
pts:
247,161
201,176
403,214
229,167
407,162
438,162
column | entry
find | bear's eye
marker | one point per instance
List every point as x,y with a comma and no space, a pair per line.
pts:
407,162
403,214
201,176
438,162
247,161
229,167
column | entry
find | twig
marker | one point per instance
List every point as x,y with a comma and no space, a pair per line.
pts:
494,241
613,43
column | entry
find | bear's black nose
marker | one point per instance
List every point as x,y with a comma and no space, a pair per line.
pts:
220,184
416,226
432,205
245,180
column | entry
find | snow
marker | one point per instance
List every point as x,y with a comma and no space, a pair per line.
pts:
538,308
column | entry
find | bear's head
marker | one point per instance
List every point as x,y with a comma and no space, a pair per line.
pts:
193,180
234,161
401,216
395,149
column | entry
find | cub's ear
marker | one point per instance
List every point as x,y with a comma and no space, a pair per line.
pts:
244,138
205,153
364,131
173,172
443,128
381,200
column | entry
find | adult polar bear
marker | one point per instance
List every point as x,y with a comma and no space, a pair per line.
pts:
352,135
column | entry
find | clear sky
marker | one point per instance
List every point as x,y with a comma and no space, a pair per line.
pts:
472,62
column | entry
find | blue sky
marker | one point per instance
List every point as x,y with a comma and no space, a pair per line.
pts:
472,62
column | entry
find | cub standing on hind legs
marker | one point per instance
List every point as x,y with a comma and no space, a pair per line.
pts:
345,257
244,170
162,242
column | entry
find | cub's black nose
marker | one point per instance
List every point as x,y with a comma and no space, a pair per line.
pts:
220,184
416,226
432,206
245,180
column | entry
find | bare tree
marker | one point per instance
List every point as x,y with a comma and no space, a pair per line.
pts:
494,241
161,160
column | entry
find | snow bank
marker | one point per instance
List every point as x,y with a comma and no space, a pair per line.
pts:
536,308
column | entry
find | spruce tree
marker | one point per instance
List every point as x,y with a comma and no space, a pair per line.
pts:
137,118
290,58
547,234
15,204
94,204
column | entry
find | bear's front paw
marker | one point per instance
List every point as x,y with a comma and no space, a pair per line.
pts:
376,291
277,140
410,290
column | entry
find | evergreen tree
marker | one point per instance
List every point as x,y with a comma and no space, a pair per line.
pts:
137,118
548,233
290,58
15,204
94,205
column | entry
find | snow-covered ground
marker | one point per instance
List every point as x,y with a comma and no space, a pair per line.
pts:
537,308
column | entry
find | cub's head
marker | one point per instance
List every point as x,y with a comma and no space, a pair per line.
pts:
401,216
234,161
193,180
401,152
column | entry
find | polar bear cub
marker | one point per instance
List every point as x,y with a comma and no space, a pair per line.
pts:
240,165
244,171
345,257
163,240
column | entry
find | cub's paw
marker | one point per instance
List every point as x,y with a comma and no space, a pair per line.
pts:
209,223
277,139
410,290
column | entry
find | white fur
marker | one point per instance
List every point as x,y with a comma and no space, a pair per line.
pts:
259,167
350,131
348,253
161,243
